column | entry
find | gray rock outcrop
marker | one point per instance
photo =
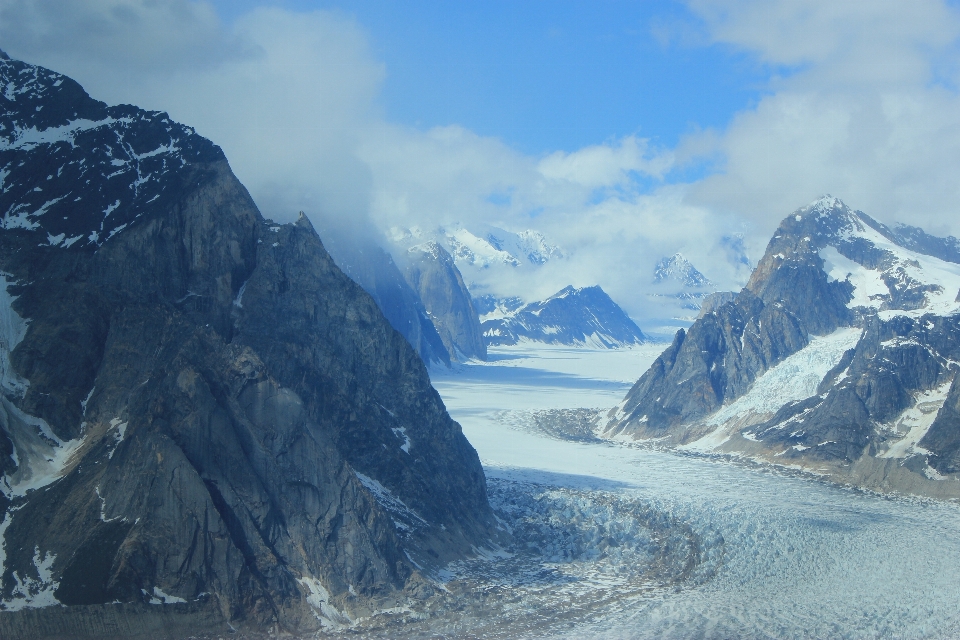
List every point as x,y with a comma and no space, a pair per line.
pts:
431,272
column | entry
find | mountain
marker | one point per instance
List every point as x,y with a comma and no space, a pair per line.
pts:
585,316
678,292
482,246
431,272
367,264
839,357
204,424
678,269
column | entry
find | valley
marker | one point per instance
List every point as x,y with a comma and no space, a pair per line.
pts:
757,552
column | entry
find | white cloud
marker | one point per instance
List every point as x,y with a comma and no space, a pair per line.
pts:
120,38
869,114
862,106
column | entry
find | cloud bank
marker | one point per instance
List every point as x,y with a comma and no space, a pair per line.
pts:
861,103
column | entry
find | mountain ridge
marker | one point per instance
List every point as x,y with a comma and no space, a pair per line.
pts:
834,358
573,316
204,423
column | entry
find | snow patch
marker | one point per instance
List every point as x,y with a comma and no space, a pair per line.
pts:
401,432
916,421
33,593
318,598
40,455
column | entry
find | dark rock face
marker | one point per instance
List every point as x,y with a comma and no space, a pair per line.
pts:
431,272
716,300
571,316
719,358
886,397
202,418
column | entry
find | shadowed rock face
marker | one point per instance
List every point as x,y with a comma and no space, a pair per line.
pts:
769,375
367,264
202,418
432,273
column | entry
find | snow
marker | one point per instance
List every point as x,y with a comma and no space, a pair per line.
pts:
238,301
916,421
782,556
41,456
159,597
401,432
319,600
119,429
28,139
869,286
796,378
402,514
13,328
33,593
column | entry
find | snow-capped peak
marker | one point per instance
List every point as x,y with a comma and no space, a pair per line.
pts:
679,269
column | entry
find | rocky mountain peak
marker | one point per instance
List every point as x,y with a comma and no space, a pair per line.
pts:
75,172
678,269
572,316
204,423
839,355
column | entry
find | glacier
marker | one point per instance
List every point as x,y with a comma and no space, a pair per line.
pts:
621,540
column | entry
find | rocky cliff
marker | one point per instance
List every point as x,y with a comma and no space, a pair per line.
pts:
204,423
431,272
839,356
585,316
367,264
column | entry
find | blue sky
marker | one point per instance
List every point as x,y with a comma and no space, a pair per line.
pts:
624,131
545,76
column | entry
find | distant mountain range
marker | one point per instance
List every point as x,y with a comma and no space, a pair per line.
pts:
840,357
482,246
581,317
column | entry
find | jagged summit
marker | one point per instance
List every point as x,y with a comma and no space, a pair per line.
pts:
680,270
85,171
839,355
572,316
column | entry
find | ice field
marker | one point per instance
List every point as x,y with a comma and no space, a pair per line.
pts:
619,541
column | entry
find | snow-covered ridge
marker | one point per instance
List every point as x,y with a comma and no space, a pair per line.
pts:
904,282
482,247
77,172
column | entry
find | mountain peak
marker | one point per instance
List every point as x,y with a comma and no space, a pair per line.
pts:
679,269
824,206
3,55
